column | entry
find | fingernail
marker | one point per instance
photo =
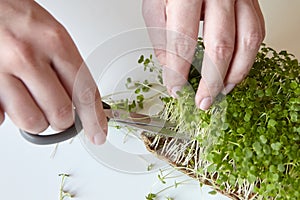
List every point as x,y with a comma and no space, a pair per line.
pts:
99,139
228,88
174,91
205,103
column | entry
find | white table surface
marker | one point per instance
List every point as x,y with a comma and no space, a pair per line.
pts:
28,172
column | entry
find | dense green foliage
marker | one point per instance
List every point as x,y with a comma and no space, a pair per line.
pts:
252,134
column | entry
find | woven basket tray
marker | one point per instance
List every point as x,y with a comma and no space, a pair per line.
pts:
156,144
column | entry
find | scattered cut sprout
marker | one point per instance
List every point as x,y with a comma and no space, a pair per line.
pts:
62,193
53,153
165,176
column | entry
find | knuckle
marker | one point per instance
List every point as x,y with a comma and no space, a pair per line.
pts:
22,52
253,40
63,113
220,49
55,35
17,52
89,96
183,47
34,124
214,88
211,90
62,117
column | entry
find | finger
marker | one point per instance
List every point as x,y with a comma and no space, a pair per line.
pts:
183,19
49,94
250,34
33,68
154,13
19,105
79,84
89,107
219,41
260,16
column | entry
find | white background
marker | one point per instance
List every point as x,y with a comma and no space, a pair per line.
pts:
28,172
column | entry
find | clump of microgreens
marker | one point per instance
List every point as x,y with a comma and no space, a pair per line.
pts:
63,194
248,144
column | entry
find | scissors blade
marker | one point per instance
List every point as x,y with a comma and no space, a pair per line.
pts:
123,116
146,123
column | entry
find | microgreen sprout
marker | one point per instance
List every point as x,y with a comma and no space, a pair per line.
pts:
169,198
213,192
153,196
167,181
150,167
62,193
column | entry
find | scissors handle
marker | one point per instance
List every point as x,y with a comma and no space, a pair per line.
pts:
60,136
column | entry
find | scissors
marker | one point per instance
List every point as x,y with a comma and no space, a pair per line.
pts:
143,122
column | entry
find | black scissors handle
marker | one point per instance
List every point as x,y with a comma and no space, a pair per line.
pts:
60,136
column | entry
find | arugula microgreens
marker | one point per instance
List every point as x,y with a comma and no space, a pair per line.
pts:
257,141
248,143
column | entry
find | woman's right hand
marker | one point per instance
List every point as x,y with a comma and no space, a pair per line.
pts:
39,65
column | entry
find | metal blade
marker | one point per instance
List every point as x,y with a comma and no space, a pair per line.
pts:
123,116
163,131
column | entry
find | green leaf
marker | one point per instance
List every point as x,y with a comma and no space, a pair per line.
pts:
211,168
293,85
137,91
281,168
141,59
213,192
251,178
151,196
263,139
257,147
241,130
266,149
294,117
273,169
147,61
276,146
162,179
271,123
248,153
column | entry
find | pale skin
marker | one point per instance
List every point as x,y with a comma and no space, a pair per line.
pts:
232,33
39,62
38,68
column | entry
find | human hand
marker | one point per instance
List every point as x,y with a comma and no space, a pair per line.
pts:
232,33
39,65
